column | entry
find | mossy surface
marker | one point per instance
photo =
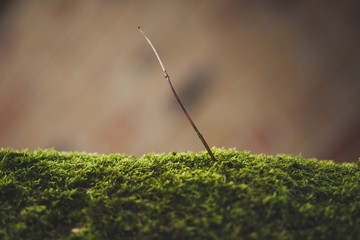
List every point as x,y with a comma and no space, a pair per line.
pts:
51,195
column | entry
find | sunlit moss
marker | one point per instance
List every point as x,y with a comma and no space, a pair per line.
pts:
68,195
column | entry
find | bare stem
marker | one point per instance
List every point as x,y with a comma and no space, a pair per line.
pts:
178,99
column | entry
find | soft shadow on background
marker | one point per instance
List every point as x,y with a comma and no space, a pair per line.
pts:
265,76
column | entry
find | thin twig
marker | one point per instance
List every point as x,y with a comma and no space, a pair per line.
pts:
177,98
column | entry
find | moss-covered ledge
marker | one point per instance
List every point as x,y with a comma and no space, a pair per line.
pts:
54,195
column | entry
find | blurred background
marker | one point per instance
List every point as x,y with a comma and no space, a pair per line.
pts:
268,76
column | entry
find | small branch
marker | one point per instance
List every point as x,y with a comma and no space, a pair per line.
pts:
177,98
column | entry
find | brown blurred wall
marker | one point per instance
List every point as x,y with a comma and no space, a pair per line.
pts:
266,76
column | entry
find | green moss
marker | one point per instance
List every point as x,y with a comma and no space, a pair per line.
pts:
51,195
